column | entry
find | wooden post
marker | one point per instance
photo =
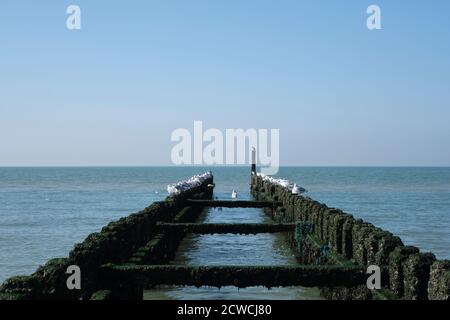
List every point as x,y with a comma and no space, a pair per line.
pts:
253,160
253,177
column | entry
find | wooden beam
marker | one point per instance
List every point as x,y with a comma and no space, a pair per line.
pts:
239,276
233,204
223,228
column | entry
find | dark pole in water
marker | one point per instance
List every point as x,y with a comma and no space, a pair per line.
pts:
253,173
253,160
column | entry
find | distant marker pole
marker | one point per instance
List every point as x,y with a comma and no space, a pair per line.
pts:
253,160
253,174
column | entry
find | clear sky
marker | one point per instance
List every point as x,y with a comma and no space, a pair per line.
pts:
112,92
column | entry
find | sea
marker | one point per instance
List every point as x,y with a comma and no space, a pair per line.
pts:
44,211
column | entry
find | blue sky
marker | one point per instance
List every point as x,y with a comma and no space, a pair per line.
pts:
112,93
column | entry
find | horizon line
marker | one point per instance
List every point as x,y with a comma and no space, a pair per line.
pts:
222,166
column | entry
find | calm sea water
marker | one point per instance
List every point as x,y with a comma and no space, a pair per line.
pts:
45,211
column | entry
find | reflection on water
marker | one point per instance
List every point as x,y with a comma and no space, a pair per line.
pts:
229,249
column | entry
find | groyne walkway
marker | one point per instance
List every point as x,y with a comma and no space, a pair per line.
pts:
333,250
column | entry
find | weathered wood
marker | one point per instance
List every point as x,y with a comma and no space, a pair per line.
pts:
102,295
232,204
222,228
239,276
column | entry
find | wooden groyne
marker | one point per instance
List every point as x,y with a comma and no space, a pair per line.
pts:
333,248
133,239
408,273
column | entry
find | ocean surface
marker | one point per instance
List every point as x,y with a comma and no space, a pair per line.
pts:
45,211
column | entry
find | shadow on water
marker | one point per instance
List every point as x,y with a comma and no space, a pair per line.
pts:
229,249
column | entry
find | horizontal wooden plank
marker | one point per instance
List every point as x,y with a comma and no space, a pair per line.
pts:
233,203
223,228
239,276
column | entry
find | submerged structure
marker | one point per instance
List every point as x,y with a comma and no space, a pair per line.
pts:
333,250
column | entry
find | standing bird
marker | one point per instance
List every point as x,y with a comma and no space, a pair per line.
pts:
234,195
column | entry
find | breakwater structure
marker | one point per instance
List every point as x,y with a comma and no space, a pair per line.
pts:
333,250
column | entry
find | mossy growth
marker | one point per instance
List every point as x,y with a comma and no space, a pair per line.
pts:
302,229
101,295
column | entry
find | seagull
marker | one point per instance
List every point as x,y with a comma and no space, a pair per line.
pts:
234,195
